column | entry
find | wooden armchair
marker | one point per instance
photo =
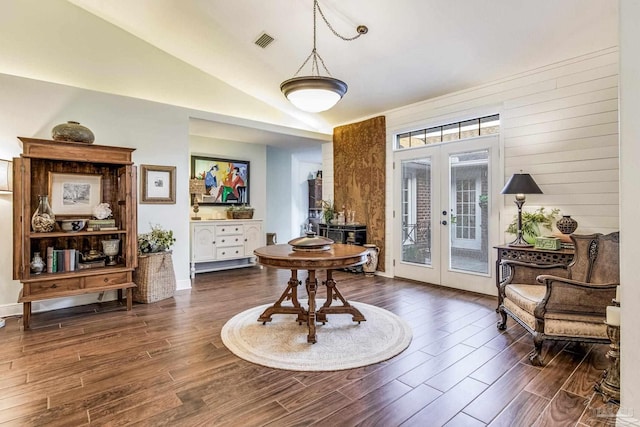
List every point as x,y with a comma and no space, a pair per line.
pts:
563,303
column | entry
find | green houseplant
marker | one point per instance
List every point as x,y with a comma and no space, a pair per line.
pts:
328,211
155,278
532,222
156,240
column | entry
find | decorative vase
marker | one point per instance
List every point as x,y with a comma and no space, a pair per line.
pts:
73,132
566,224
111,248
371,265
43,219
37,264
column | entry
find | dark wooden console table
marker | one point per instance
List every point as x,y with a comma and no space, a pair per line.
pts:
338,256
529,255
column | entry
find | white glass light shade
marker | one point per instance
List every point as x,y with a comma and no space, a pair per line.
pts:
314,93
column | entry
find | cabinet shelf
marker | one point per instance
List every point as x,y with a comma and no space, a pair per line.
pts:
65,234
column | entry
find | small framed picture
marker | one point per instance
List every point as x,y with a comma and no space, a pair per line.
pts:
158,184
73,193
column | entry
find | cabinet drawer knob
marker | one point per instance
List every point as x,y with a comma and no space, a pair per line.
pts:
222,240
223,253
53,286
105,280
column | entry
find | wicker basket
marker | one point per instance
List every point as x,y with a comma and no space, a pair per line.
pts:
154,277
244,214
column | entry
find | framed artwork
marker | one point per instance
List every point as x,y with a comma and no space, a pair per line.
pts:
158,184
226,181
74,194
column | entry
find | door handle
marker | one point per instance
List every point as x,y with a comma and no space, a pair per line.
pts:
443,222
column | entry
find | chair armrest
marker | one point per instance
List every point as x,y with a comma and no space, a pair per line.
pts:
571,296
526,272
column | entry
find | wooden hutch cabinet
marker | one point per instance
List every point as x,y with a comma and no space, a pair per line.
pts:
33,171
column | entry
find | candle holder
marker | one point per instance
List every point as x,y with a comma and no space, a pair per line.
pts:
609,384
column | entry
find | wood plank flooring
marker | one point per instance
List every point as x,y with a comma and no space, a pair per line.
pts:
165,364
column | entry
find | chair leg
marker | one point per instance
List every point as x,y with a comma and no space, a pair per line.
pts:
502,323
535,357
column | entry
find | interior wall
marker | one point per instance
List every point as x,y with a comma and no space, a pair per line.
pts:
157,132
629,208
558,123
359,180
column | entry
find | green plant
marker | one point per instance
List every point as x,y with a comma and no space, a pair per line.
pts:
157,240
328,210
532,221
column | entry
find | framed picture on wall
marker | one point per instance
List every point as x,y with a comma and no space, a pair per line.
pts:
226,181
158,184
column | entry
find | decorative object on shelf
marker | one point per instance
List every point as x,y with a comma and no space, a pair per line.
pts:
37,264
371,265
43,219
6,176
157,240
566,224
196,188
102,211
319,174
520,184
111,248
551,243
158,184
239,212
226,181
311,243
72,225
72,132
316,93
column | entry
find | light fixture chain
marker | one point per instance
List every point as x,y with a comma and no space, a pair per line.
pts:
324,18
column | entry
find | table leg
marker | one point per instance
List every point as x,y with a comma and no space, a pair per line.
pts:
312,286
291,292
332,294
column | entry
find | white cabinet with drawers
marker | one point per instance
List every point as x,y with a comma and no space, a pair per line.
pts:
224,244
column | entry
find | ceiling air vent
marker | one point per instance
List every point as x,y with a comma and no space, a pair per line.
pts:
264,40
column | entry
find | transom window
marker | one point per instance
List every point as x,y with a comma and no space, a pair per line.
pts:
481,126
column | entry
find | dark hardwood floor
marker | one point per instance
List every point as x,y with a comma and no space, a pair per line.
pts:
165,364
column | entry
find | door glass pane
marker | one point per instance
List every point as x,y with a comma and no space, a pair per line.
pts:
469,248
416,211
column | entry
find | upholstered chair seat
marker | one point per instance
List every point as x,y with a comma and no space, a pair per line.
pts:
563,303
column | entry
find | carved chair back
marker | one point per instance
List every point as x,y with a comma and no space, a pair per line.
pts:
596,259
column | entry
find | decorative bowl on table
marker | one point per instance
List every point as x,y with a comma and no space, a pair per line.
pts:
72,225
311,243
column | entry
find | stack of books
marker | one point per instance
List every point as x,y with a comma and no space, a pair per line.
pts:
101,225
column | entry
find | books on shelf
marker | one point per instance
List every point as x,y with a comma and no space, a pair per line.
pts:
61,260
91,264
101,224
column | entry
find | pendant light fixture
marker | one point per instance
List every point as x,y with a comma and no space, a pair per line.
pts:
315,93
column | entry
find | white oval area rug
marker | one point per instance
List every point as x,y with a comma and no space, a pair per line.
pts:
341,343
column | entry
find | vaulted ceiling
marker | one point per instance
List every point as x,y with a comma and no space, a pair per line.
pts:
415,49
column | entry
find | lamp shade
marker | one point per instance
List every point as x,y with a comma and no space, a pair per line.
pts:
314,93
521,183
197,186
6,176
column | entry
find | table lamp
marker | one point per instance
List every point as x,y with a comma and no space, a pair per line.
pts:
196,187
521,184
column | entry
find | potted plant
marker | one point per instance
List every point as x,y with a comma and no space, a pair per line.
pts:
328,211
155,279
532,222
239,212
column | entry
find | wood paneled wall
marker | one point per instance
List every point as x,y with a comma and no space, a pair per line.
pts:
359,183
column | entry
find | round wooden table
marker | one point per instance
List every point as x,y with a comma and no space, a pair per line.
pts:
336,257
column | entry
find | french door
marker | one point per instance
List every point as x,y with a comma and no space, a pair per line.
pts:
444,223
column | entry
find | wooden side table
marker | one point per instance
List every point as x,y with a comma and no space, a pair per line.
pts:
531,255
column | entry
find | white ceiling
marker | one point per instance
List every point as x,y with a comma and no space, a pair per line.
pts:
415,49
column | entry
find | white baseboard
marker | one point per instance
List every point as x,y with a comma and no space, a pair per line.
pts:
183,284
56,303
